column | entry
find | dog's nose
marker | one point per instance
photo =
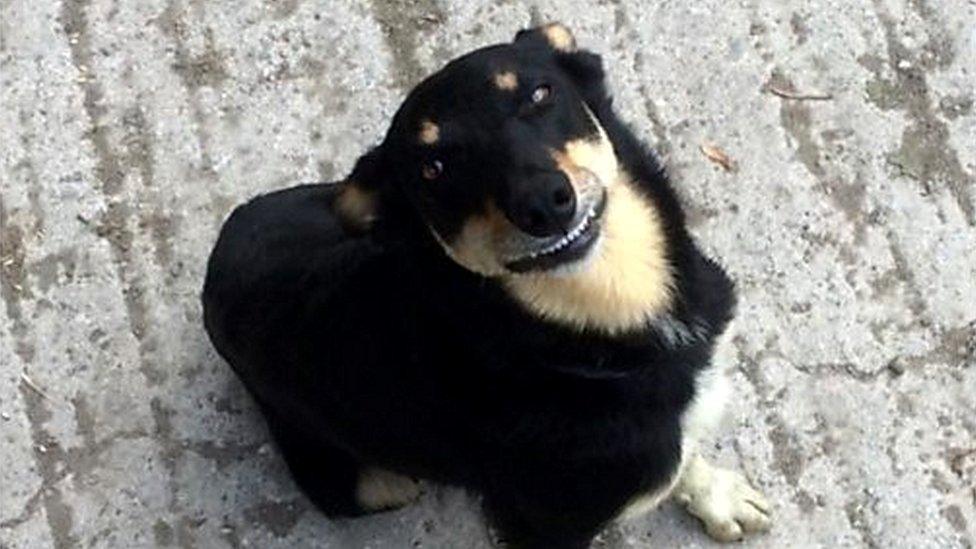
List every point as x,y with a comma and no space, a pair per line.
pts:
548,208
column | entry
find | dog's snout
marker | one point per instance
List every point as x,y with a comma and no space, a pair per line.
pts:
547,207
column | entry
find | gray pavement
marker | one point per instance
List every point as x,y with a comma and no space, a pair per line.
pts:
130,129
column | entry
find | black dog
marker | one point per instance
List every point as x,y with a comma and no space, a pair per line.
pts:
502,296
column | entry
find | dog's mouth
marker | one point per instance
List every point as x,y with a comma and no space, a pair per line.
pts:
570,247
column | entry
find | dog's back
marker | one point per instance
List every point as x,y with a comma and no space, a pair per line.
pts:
278,258
322,327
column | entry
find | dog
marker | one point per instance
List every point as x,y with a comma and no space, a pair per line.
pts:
503,296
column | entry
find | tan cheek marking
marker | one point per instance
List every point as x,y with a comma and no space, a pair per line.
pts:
559,37
628,282
475,247
506,81
429,133
356,207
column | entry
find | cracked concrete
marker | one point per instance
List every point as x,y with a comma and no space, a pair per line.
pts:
131,129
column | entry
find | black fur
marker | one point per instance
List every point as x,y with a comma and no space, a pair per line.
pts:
377,349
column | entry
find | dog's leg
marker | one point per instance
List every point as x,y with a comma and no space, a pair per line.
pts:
723,500
520,523
335,481
327,475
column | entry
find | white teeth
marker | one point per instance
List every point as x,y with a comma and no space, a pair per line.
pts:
569,238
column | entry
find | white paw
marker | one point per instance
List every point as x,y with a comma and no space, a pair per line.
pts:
379,489
723,500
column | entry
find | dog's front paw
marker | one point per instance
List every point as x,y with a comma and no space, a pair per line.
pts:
379,489
723,500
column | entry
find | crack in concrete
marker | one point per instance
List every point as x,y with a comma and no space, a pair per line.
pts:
34,187
27,512
61,463
162,533
171,451
848,198
110,171
401,22
13,283
795,117
140,147
955,347
48,454
74,20
222,454
206,69
955,518
48,269
163,434
788,456
854,511
283,9
847,369
663,146
925,154
916,303
279,516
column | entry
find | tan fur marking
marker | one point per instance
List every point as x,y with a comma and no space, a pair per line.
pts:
628,282
429,133
506,80
355,206
474,248
559,37
381,489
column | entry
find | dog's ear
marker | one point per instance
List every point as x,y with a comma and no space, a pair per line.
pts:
358,202
554,36
585,68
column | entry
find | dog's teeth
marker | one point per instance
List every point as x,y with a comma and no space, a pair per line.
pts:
570,237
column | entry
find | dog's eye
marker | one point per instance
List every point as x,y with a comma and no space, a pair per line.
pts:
541,93
432,169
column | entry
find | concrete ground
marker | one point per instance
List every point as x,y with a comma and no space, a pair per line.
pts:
130,130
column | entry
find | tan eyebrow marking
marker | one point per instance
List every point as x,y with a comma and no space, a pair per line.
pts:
506,80
429,132
559,37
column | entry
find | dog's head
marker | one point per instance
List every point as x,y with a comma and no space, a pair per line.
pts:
501,156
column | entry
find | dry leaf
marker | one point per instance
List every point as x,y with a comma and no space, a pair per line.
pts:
33,386
790,94
719,157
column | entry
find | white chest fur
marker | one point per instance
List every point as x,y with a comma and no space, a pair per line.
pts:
698,421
